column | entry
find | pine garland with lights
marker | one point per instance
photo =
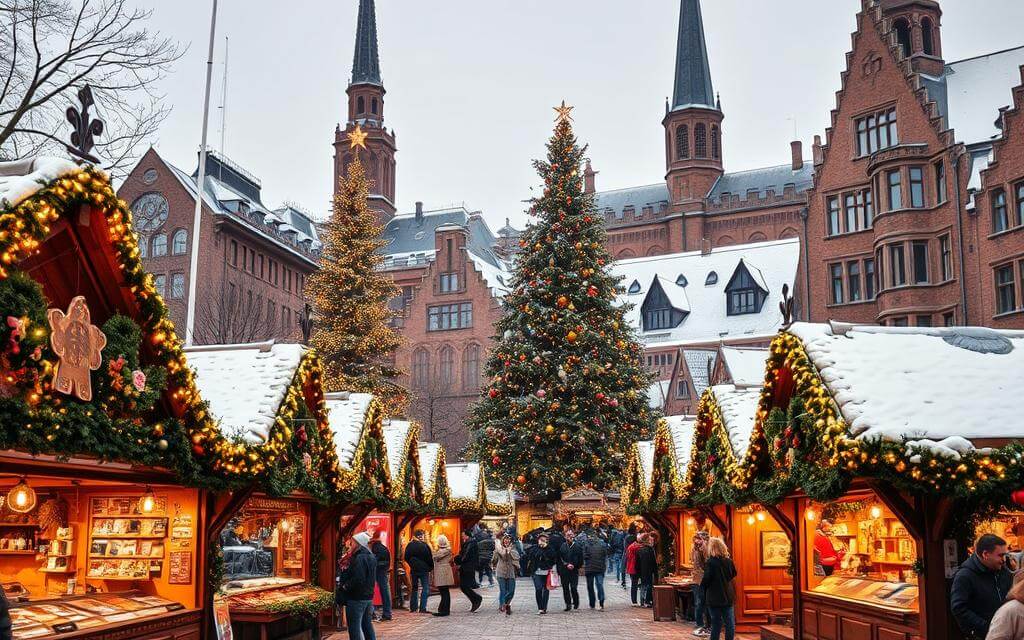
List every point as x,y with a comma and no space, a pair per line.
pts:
350,295
566,394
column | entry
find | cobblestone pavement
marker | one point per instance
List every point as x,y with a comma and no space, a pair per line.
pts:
618,620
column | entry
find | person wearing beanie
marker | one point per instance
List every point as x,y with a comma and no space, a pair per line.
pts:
357,583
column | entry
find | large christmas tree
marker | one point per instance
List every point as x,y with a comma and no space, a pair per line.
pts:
567,395
350,296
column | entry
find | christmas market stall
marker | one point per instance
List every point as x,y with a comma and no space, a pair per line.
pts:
500,510
101,512
406,504
895,446
468,501
274,442
436,493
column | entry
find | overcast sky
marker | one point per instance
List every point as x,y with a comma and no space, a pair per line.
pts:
470,85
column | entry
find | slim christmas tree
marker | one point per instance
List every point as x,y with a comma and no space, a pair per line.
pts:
350,296
566,395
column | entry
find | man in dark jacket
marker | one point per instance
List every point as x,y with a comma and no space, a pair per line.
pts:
421,562
647,569
468,561
485,543
357,582
570,557
595,564
615,539
980,586
383,556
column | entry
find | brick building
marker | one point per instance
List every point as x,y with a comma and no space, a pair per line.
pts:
253,261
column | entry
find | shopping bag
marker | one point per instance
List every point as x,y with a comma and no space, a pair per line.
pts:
554,582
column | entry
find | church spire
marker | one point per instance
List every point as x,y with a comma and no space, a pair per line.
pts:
693,73
365,62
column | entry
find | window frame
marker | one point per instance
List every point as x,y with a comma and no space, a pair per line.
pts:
450,317
833,216
177,285
869,130
683,142
1000,212
870,279
897,250
159,240
919,259
835,271
1018,190
700,141
182,235
940,181
853,281
1005,285
916,186
945,257
894,189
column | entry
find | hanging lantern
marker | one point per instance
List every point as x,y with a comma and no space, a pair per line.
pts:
148,501
876,512
811,515
21,498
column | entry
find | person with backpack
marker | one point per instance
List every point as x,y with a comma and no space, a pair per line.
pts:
485,545
357,582
720,589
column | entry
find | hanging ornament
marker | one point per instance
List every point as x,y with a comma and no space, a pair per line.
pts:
562,302
21,498
571,336
78,344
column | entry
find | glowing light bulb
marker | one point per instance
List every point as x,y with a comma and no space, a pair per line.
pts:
20,499
751,519
876,512
811,515
761,516
691,521
147,503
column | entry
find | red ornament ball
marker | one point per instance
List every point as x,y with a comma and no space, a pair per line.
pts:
493,393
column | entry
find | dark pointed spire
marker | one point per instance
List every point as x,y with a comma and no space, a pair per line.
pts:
693,73
365,62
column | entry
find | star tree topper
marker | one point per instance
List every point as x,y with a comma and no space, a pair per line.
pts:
357,138
563,110
79,345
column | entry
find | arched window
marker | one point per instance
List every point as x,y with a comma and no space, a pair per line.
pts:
159,245
179,242
471,367
682,142
757,236
360,104
700,140
715,145
902,28
446,367
926,36
143,246
420,368
711,279
373,105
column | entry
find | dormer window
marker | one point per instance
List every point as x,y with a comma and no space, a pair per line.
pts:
635,287
681,280
711,279
658,312
743,293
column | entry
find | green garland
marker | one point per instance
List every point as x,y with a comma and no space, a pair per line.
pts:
307,607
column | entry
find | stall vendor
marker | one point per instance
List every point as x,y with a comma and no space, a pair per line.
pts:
827,555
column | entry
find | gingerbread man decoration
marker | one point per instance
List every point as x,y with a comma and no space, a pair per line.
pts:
78,344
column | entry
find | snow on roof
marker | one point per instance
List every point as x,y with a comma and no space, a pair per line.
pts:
746,365
396,432
739,408
497,278
977,88
657,393
708,319
700,363
500,497
245,384
430,452
947,387
464,480
20,179
681,428
347,415
645,453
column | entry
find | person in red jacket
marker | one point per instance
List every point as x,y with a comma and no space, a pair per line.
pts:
828,556
631,568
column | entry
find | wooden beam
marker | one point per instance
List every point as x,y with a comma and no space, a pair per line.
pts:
222,513
325,517
711,515
908,513
361,511
784,521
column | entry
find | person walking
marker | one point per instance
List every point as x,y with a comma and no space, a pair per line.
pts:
980,586
357,584
631,569
541,559
444,577
647,569
383,556
421,563
504,563
719,589
485,544
615,540
595,565
1008,622
468,560
627,541
698,560
570,560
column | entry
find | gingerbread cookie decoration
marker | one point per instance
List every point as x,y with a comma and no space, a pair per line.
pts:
78,344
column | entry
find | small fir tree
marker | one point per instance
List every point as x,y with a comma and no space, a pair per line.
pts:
350,297
566,395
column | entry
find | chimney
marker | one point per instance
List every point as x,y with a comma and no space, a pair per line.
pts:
419,212
588,179
798,154
816,149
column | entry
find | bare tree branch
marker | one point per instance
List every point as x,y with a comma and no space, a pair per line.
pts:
232,319
56,47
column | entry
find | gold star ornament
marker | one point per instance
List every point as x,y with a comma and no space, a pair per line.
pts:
357,138
563,111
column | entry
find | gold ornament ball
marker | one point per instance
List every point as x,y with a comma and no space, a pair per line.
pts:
549,429
162,444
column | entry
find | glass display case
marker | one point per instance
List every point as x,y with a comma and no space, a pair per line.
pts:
268,538
51,617
898,595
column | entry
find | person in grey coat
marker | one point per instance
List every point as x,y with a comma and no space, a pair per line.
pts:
595,563
505,562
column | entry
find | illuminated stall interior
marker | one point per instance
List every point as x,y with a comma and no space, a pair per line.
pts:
269,538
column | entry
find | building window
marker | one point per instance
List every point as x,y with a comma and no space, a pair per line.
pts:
947,319
234,253
143,246
420,368
715,144
1006,295
895,189
449,282
655,319
876,131
868,207
927,38
899,322
917,187
870,279
836,271
833,216
682,389
940,182
261,266
179,242
920,249
923,321
744,294
446,367
450,316
360,104
178,285
700,140
903,36
160,284
682,142
1000,219
897,266
853,280
711,279
852,214
159,245
946,256
1019,189
471,367
373,105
